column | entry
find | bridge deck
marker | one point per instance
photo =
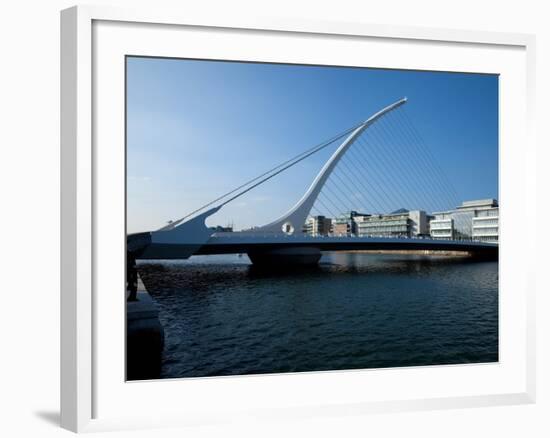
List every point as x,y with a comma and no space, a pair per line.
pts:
223,243
237,242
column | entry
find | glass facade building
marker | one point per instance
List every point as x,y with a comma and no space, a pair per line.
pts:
477,220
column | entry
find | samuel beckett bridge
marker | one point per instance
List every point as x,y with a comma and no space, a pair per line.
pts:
348,180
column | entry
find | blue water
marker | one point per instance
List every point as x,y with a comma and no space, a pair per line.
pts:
223,317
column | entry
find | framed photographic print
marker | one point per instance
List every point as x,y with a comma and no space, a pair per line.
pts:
277,218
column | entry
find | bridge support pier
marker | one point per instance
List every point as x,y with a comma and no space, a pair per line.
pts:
305,256
485,254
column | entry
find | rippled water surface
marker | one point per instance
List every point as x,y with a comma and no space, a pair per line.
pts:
222,317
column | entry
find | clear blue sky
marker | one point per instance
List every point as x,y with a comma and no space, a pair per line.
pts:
198,128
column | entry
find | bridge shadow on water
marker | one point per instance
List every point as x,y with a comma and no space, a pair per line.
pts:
364,263
168,276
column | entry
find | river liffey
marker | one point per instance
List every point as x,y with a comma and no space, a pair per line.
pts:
355,310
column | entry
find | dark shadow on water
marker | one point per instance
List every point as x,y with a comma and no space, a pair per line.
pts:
200,277
51,417
259,271
353,266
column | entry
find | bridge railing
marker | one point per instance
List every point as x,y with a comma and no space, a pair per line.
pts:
239,235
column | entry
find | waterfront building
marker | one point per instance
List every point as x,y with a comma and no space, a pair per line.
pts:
442,226
317,225
400,223
477,219
220,229
345,224
485,225
420,223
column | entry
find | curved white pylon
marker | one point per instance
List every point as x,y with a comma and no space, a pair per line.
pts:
295,218
193,232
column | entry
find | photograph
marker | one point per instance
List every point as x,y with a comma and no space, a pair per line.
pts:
290,218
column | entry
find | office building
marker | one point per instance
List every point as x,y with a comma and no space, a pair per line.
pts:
317,225
442,226
345,225
485,225
400,223
476,219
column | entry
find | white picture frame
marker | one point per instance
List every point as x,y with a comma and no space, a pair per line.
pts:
89,399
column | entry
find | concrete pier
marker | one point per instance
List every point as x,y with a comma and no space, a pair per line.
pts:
144,337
